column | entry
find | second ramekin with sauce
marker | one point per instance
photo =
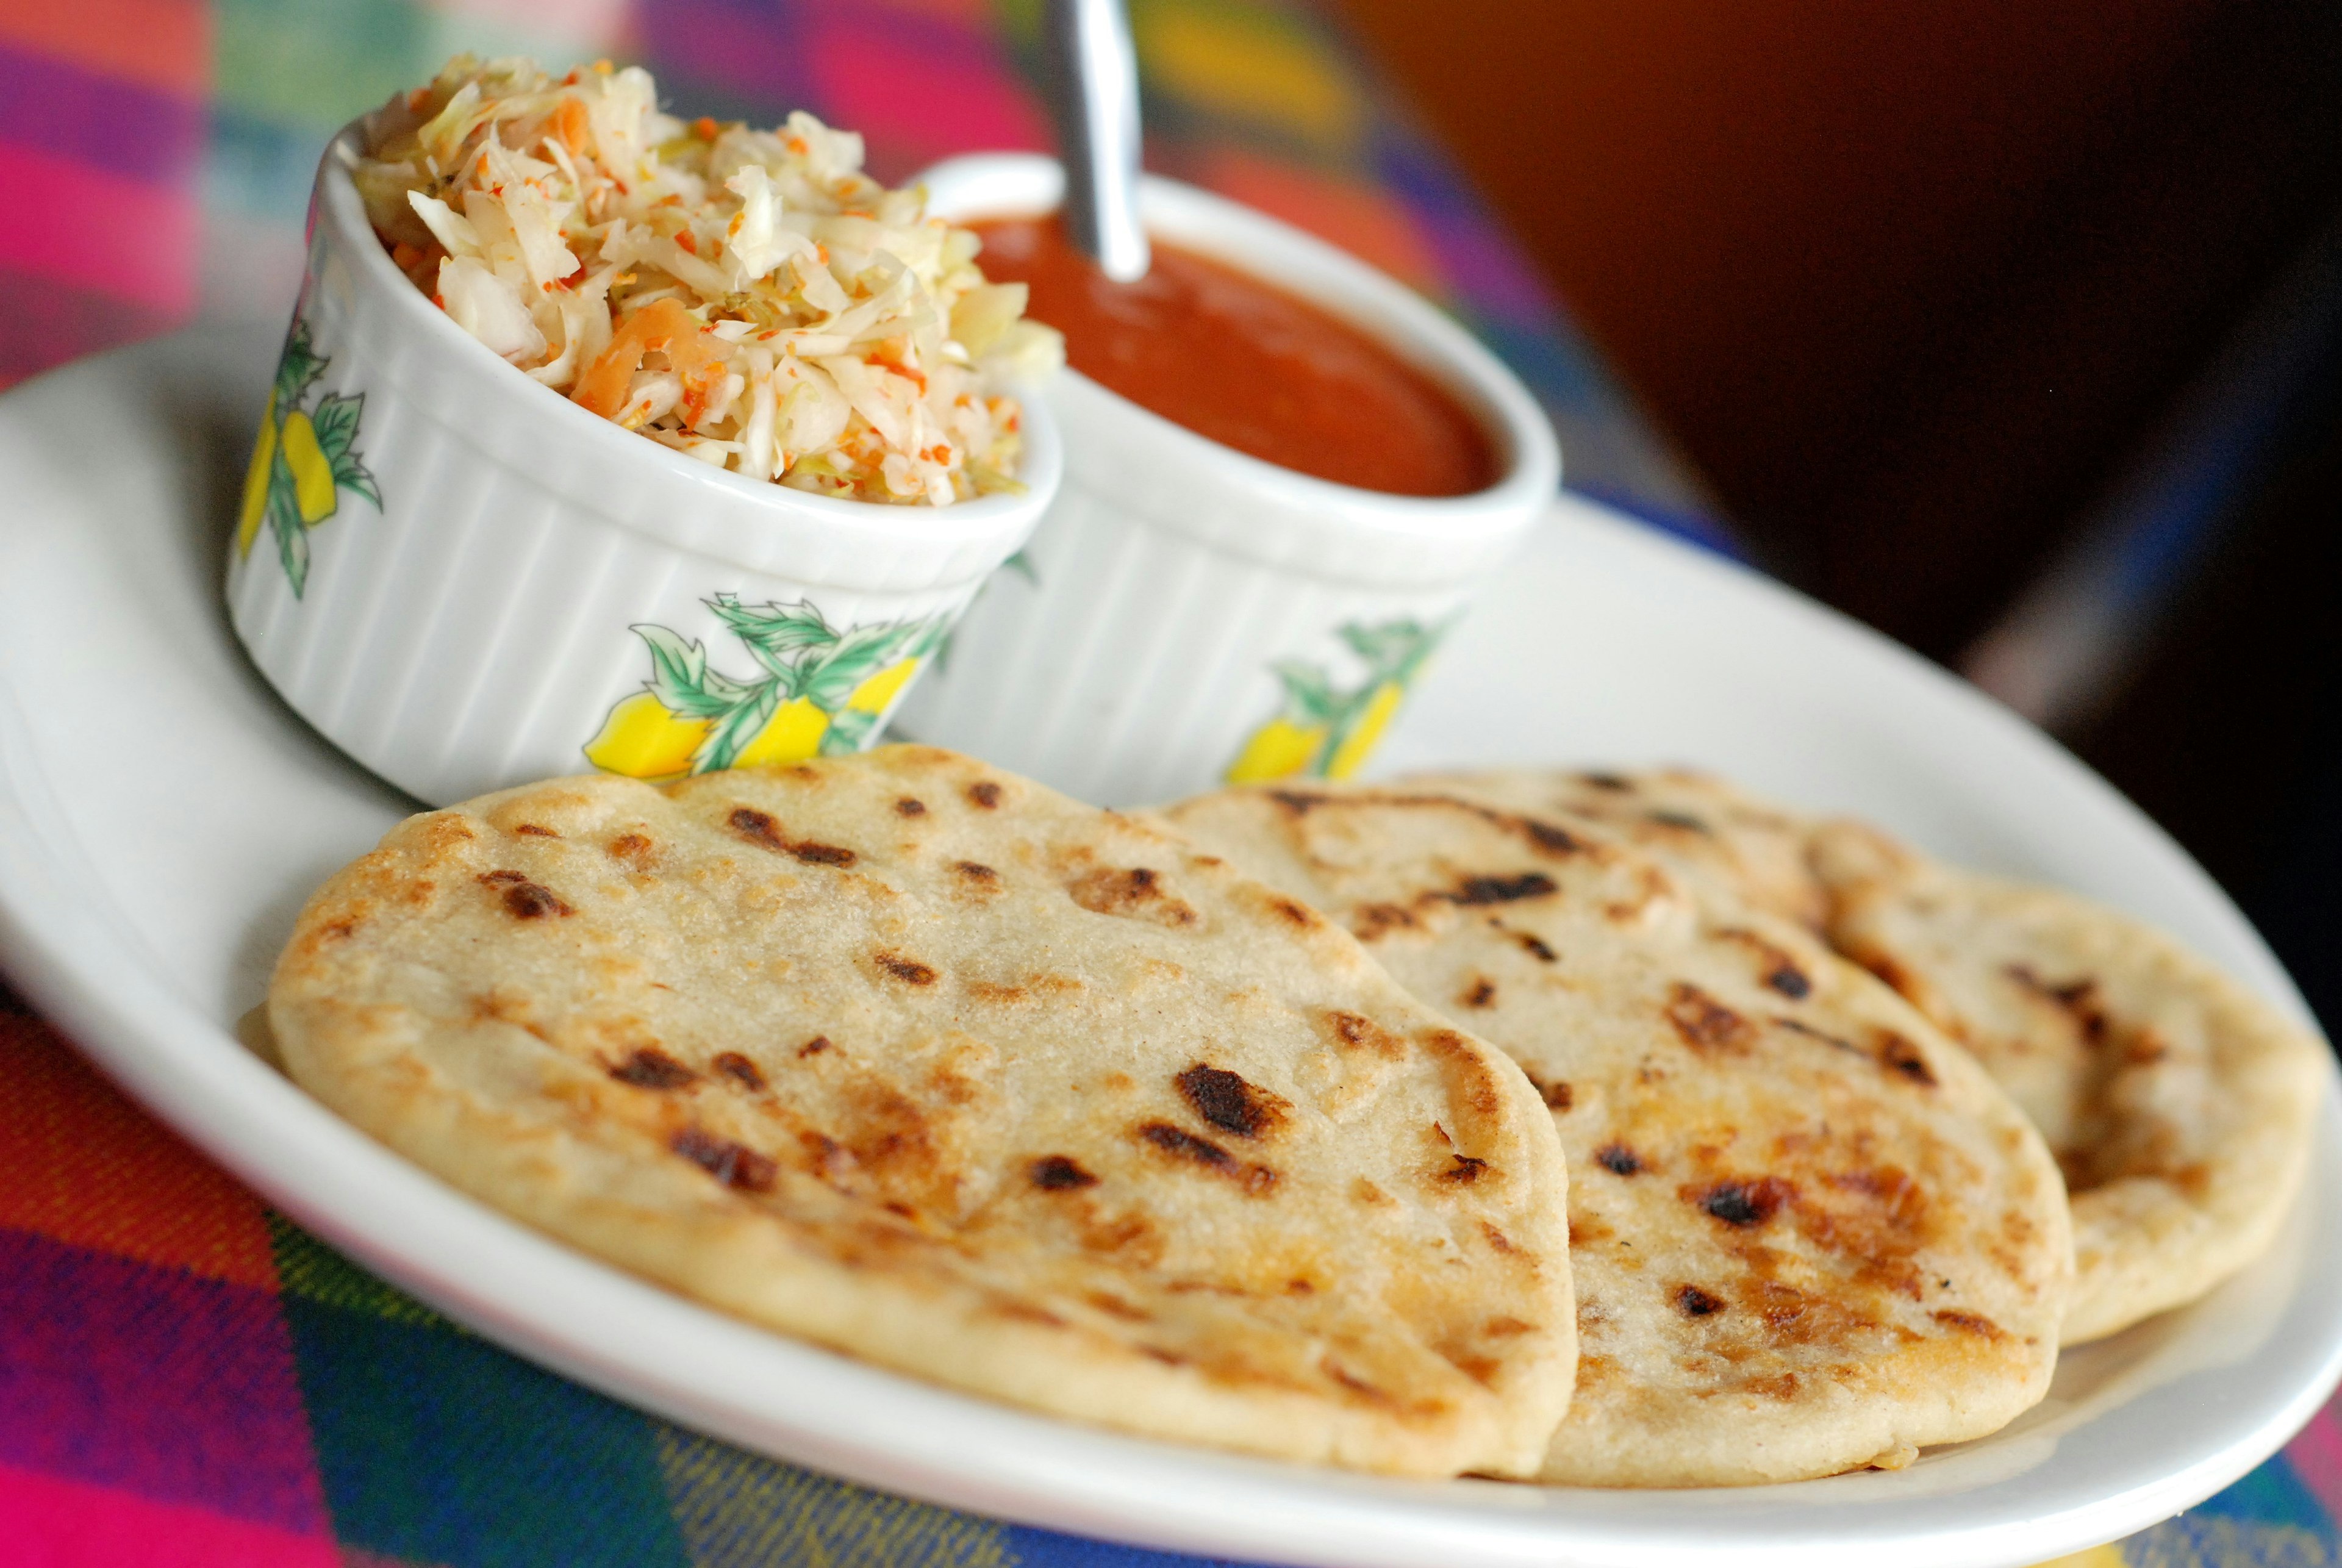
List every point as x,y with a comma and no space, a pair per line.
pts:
472,562
1189,612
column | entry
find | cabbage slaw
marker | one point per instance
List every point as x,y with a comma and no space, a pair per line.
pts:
748,297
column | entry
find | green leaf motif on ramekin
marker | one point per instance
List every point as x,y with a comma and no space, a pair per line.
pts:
303,459
817,691
297,366
1326,729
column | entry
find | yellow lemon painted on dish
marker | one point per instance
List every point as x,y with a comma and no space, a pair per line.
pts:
1278,750
313,471
642,739
1360,744
255,480
792,735
878,693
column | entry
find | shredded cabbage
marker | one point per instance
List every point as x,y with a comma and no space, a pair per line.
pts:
748,297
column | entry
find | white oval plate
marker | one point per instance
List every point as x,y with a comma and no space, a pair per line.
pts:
162,817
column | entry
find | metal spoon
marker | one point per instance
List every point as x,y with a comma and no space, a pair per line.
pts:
1094,93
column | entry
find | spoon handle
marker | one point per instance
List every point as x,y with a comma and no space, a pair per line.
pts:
1094,89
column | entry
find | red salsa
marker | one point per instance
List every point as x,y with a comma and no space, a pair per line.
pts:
1247,364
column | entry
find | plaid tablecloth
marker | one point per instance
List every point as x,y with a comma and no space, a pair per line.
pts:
188,1379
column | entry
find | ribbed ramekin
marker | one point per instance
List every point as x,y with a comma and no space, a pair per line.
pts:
1187,615
466,581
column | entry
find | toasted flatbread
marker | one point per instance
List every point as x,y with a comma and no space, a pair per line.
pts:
929,1065
2180,1104
1692,822
1808,1233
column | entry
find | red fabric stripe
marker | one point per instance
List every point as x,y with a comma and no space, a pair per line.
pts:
53,1524
85,1166
186,1390
54,322
83,225
163,43
2317,1459
918,96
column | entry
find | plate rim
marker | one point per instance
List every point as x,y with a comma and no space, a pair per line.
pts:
88,973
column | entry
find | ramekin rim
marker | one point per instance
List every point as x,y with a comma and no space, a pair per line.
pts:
1533,467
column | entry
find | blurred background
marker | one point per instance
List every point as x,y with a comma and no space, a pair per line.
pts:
2014,330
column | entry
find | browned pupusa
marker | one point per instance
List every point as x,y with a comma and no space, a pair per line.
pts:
1808,1234
927,1063
1690,822
2180,1104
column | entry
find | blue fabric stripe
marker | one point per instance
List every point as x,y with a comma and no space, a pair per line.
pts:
261,168
1047,1549
2272,1494
436,1447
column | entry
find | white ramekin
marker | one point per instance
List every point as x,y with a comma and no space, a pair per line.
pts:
479,568
1183,608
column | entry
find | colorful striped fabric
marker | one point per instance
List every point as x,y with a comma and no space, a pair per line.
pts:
188,1379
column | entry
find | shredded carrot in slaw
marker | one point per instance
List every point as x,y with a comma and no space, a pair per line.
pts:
749,297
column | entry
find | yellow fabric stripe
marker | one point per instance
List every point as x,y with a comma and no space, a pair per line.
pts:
735,1509
2096,1557
1250,66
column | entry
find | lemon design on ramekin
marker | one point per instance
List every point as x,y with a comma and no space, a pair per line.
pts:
302,461
1278,750
315,483
819,692
255,479
1325,731
643,740
1351,755
793,733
